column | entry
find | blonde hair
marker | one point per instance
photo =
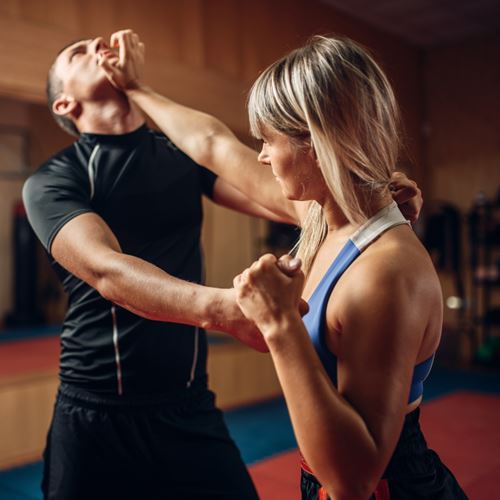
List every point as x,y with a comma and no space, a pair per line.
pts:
331,95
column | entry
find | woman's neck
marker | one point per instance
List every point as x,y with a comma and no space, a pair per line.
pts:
337,221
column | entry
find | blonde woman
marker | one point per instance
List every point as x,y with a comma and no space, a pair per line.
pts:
352,370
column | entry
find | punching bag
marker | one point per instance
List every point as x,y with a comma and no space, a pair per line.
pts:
25,271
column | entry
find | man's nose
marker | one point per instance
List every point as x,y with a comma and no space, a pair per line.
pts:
99,44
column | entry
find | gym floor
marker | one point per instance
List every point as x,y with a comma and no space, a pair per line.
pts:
460,419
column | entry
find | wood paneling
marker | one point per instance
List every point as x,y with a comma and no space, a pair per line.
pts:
218,46
463,98
25,411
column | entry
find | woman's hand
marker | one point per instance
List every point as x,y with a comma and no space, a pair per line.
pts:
125,71
407,195
269,292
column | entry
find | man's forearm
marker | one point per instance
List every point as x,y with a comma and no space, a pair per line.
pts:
150,292
147,291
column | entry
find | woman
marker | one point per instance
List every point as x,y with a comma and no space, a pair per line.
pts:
352,370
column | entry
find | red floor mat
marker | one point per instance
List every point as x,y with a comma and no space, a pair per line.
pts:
463,427
31,356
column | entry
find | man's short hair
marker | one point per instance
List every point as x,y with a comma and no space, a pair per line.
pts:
53,90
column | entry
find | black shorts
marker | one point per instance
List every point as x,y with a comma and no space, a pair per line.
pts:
153,449
414,472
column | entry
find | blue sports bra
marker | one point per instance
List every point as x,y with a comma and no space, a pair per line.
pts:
314,320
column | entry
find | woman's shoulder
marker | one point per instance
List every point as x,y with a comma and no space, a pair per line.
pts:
396,265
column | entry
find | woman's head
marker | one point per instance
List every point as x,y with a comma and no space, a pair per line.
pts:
332,97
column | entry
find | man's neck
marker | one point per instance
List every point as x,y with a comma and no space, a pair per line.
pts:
111,117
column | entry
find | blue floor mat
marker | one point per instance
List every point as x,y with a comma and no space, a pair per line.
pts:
21,483
29,332
262,430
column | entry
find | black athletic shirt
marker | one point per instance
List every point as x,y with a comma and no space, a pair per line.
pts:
149,194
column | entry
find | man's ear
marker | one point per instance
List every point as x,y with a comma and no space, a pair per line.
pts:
64,105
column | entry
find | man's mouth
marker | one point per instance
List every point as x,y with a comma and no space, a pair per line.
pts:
108,53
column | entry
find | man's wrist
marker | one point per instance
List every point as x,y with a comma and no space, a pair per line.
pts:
214,309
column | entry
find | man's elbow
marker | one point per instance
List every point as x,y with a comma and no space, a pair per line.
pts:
107,282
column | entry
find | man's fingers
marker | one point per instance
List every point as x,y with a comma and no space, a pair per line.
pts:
108,68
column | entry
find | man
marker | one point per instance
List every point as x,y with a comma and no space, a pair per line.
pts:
119,213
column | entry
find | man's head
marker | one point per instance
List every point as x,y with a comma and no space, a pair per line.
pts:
75,78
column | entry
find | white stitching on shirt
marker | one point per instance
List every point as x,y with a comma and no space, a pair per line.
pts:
91,171
117,351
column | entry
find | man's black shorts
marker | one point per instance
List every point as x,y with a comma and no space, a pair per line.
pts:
152,449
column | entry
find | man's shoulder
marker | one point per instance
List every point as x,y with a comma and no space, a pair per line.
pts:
61,161
61,167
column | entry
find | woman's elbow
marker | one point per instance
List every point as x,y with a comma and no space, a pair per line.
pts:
351,486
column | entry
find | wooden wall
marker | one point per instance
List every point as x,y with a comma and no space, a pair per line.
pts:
204,53
463,120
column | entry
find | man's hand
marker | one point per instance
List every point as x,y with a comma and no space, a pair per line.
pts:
125,72
226,316
267,295
407,195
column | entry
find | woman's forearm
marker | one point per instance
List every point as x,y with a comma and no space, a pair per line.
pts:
331,434
191,130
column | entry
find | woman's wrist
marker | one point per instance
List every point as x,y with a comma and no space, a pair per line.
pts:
137,90
280,328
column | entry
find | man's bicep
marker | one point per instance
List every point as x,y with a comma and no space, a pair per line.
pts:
52,199
83,246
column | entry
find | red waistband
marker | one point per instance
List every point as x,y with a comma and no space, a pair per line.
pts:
305,466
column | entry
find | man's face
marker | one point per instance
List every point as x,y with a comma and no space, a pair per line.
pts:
77,67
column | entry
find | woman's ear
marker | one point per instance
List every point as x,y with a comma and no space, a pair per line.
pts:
312,151
64,105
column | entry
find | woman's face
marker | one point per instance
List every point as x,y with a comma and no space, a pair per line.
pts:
294,167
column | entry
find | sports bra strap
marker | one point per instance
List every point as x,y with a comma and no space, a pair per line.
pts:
383,220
